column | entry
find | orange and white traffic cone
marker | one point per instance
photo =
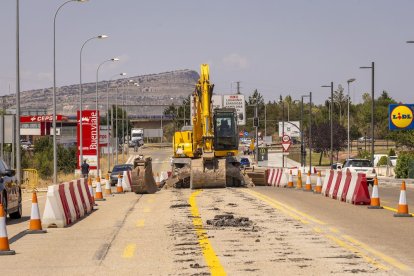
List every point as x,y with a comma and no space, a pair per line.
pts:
290,180
157,180
318,187
98,192
402,204
108,190
4,240
308,185
91,191
119,189
375,200
299,181
35,225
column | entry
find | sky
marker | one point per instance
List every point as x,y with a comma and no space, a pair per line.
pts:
284,48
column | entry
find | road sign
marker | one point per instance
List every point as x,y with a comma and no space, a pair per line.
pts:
246,134
263,154
286,142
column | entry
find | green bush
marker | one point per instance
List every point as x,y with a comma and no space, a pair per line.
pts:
383,161
391,152
402,168
364,154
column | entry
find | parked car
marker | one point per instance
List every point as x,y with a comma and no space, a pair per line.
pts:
362,139
119,169
360,165
10,192
25,144
244,162
393,160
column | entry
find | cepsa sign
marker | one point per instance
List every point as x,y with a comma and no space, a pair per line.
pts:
401,116
90,133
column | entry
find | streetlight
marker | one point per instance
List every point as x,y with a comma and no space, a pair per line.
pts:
54,90
372,67
112,116
17,130
349,81
283,127
80,96
331,116
97,77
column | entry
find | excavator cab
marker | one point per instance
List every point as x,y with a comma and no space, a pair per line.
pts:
226,139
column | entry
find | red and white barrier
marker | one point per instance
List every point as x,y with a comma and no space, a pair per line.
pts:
66,203
327,181
126,181
346,186
277,178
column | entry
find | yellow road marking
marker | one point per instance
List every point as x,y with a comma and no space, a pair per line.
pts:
147,210
334,230
210,256
356,251
392,209
129,251
140,223
338,241
386,258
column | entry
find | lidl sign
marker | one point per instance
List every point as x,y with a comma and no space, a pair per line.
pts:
401,116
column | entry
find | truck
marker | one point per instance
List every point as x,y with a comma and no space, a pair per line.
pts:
137,136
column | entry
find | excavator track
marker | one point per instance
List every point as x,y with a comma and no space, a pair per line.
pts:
208,173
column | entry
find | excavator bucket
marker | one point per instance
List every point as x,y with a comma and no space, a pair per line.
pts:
143,181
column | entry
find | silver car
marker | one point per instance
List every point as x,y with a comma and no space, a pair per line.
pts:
361,165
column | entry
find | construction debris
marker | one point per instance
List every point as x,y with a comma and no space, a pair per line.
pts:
229,221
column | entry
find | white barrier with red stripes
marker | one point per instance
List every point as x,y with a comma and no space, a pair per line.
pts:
66,203
346,186
126,181
277,177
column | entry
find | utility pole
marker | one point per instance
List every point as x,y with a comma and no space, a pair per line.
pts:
302,144
257,134
238,87
283,128
310,132
18,156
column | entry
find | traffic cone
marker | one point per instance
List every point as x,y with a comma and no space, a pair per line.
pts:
299,182
318,188
35,225
290,180
98,192
308,185
4,240
402,205
119,189
91,191
108,190
375,200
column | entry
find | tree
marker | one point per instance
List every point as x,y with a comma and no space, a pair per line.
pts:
321,138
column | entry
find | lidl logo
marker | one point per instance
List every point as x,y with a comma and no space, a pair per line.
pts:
401,116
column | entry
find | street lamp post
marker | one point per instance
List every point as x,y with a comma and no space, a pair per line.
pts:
80,96
96,108
18,156
283,127
54,90
349,152
109,144
331,119
372,67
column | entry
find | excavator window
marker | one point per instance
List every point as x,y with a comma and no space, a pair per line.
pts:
225,131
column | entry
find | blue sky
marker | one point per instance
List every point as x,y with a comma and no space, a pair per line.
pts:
279,47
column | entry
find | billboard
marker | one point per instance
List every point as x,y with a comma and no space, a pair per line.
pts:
90,137
292,128
400,116
217,101
237,102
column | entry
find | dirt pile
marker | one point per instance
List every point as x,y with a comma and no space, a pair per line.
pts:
229,221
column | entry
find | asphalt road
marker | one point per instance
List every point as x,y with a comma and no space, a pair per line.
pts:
291,232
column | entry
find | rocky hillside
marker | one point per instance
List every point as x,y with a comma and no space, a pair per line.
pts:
154,89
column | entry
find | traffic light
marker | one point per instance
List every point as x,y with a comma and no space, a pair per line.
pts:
255,121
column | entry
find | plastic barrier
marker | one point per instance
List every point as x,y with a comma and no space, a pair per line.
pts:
66,203
277,178
326,181
335,185
345,180
126,181
358,190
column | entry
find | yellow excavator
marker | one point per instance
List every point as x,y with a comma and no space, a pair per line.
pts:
205,153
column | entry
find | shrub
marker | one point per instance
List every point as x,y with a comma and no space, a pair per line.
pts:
364,154
402,168
391,152
383,161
